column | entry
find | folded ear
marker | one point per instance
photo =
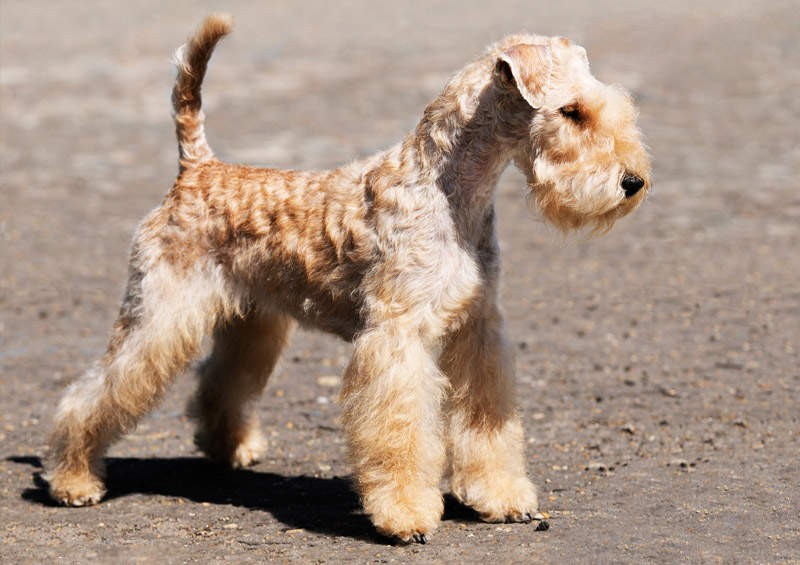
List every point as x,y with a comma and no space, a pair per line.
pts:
525,68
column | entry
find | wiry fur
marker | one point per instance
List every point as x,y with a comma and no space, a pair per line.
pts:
396,252
191,61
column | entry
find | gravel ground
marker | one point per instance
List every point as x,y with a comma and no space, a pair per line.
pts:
658,365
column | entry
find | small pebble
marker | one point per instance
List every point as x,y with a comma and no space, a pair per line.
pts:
329,380
596,466
682,463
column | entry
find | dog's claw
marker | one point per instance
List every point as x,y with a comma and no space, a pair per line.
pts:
541,522
415,538
525,518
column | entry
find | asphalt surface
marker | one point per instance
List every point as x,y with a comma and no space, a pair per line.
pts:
658,365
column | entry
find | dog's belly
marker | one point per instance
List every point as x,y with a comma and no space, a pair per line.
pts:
327,299
328,310
340,318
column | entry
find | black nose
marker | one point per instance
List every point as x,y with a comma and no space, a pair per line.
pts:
631,184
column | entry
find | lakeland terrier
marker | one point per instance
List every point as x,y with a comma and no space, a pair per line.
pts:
397,253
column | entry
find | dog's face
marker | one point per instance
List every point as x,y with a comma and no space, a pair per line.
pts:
584,158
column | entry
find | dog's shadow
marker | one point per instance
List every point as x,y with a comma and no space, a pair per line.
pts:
324,505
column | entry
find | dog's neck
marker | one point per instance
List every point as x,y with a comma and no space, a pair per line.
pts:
467,138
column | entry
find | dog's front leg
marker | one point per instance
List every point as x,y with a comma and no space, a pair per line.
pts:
484,435
391,412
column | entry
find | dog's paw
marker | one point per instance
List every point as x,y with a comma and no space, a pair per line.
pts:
249,452
237,448
76,490
405,519
501,499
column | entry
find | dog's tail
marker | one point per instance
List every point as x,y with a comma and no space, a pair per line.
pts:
192,60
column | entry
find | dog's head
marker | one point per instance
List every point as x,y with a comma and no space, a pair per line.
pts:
582,154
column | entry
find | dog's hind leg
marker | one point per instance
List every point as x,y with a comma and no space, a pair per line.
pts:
244,355
167,311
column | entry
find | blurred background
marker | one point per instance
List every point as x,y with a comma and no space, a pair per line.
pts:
658,365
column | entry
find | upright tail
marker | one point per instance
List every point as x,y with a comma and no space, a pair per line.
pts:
191,60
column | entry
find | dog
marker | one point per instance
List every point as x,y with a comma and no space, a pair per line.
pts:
396,253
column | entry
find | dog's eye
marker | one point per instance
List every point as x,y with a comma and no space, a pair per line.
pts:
572,112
